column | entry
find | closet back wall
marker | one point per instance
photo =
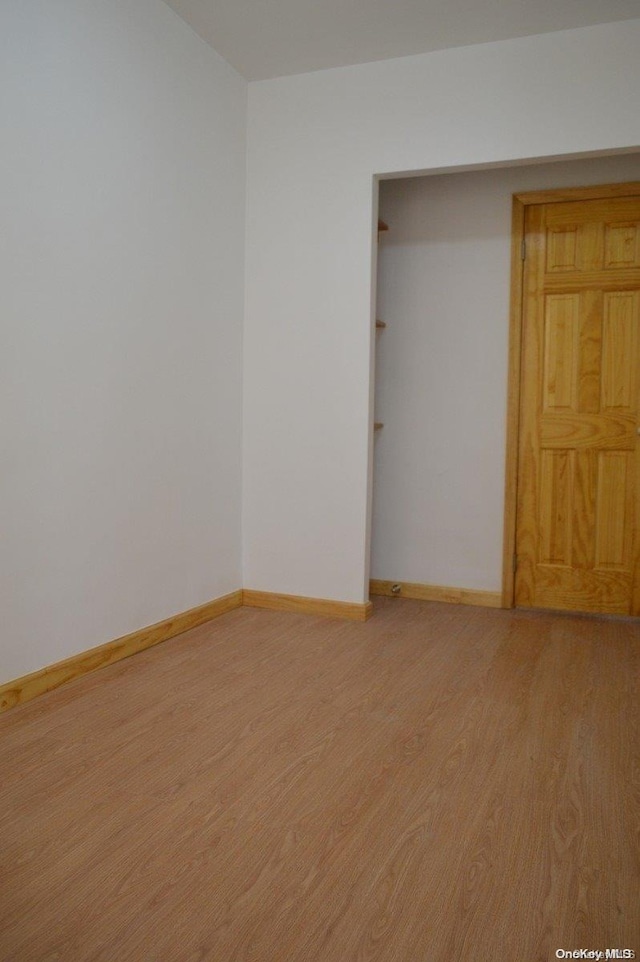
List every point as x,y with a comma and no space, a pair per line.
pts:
441,368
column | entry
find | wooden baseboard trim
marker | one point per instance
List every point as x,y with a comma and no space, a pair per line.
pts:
454,596
307,606
53,676
46,679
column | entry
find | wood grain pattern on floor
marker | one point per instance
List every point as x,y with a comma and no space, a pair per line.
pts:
440,784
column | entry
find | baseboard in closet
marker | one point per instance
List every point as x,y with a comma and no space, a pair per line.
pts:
420,592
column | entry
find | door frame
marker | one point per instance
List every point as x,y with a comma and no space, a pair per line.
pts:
520,202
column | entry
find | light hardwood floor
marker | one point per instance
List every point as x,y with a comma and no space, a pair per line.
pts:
440,784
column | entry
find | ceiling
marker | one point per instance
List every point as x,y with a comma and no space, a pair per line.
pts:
273,38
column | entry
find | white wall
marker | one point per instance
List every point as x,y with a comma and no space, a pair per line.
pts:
121,301
441,368
315,143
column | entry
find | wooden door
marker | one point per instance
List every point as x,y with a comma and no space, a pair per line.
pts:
578,512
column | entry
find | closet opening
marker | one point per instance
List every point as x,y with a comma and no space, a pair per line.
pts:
441,375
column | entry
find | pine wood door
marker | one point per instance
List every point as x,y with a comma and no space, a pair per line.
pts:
578,514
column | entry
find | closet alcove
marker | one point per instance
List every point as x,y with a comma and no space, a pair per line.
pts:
443,290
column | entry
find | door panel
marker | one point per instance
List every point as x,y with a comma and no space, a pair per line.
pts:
578,511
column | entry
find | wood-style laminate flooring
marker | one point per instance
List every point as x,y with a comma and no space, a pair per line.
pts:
440,784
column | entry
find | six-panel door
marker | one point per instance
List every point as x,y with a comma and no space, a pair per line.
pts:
579,461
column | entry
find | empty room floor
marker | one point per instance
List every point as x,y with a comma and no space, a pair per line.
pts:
439,784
